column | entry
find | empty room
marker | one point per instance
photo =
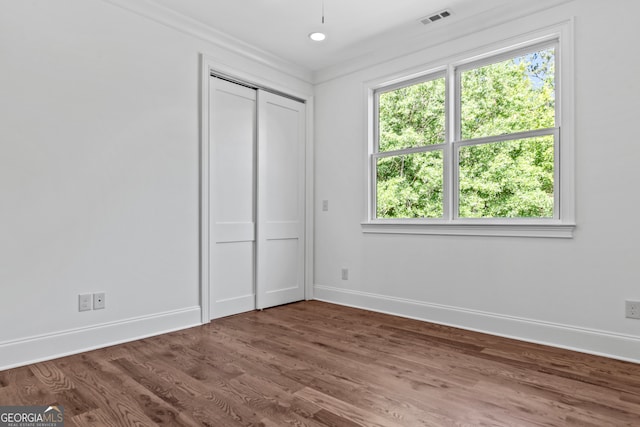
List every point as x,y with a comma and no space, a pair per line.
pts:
319,213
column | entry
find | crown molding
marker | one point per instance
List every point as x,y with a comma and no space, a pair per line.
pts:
192,27
380,50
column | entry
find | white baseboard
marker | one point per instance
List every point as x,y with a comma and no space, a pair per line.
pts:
591,341
51,346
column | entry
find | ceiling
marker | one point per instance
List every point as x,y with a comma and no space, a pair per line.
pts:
354,28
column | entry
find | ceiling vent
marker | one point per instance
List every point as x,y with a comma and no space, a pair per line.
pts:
434,17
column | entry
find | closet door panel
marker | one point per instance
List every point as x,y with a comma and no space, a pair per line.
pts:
281,186
232,175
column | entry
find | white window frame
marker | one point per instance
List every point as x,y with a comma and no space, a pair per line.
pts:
562,224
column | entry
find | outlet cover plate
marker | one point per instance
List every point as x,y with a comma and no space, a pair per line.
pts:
632,309
84,302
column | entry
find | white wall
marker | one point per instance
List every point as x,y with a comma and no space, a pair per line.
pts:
99,174
568,293
99,146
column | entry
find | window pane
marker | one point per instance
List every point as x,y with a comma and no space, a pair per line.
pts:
511,179
412,116
410,186
510,96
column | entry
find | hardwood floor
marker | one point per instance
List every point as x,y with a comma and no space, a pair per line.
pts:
317,364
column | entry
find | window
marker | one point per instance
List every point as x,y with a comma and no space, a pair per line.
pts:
410,155
475,144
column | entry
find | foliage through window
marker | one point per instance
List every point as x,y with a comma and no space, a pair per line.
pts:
483,147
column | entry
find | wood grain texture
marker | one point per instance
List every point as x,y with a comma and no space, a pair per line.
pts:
315,364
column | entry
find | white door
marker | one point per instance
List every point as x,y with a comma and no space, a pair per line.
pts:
232,164
281,200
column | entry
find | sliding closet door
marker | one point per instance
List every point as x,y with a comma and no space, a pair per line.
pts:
232,167
281,191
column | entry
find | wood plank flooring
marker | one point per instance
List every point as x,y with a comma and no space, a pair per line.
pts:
318,364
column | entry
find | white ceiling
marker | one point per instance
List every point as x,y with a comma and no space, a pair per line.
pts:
354,28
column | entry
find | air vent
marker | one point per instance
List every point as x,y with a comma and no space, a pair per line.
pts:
436,17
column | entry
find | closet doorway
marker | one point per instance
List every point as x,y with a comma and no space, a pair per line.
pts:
256,186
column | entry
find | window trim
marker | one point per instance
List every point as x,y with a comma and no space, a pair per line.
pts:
562,224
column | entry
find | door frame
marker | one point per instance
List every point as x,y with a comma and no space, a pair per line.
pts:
208,66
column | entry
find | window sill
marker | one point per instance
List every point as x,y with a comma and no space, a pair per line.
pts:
500,229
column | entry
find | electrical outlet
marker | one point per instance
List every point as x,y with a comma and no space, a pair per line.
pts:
325,205
84,302
632,309
345,274
98,301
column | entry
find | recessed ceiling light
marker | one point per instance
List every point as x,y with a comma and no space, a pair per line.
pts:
317,37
